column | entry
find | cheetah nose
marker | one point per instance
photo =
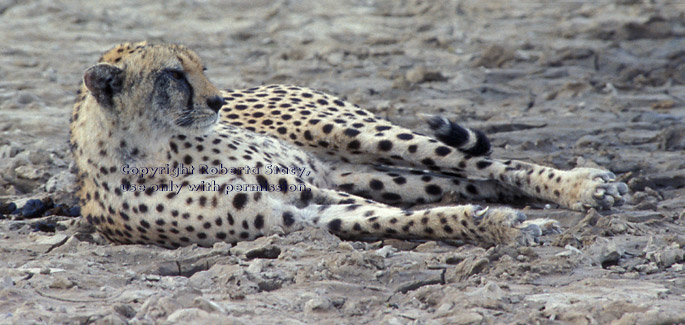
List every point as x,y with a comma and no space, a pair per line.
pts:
215,103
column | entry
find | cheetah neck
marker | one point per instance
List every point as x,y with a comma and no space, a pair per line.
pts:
102,142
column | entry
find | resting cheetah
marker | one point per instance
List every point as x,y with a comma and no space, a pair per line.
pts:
145,112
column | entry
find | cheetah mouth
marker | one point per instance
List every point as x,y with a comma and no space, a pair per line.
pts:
196,120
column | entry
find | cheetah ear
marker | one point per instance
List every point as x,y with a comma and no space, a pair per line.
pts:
104,81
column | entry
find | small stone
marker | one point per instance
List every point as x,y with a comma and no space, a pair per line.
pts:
270,252
207,305
345,246
420,74
9,151
52,241
28,172
386,251
33,209
317,304
62,181
25,98
647,268
7,208
62,284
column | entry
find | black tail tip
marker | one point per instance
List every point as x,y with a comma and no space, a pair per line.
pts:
472,142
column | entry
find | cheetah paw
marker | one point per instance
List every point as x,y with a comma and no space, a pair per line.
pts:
546,226
510,226
597,189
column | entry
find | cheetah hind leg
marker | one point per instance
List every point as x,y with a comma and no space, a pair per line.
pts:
470,223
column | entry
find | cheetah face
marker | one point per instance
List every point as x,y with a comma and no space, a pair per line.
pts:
163,83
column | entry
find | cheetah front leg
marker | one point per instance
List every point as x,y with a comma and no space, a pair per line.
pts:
577,189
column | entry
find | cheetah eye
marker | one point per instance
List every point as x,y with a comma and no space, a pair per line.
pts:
204,68
178,75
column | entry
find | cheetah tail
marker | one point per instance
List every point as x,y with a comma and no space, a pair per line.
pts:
472,142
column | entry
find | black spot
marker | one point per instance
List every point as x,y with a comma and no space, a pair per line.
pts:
382,128
288,219
282,130
412,148
376,185
472,189
399,180
385,145
263,183
335,225
433,189
159,208
442,151
483,164
259,221
207,225
391,196
327,128
352,207
142,208
405,136
353,145
239,200
428,162
244,235
308,135
351,132
221,235
306,196
145,224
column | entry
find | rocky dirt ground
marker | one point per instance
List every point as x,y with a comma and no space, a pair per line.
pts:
596,83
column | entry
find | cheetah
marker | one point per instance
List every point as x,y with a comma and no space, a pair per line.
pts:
148,129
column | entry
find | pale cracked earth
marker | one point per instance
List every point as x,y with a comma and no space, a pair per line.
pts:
575,83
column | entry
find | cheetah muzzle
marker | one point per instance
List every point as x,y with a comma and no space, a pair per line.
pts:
155,167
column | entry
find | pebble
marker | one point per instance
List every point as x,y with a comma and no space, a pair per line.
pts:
317,304
9,151
270,252
28,172
62,181
35,208
25,98
7,208
420,74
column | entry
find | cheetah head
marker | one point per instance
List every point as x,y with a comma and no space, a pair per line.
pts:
164,84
